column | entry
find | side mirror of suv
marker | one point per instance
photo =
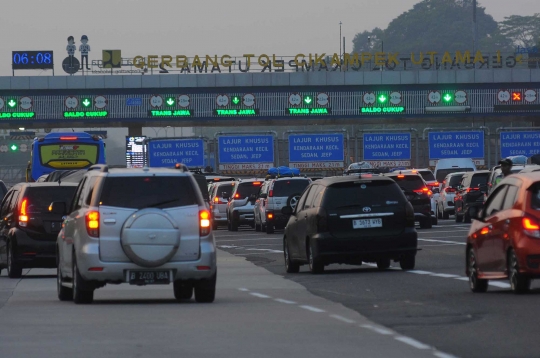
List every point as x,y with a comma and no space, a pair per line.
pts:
287,210
263,196
58,207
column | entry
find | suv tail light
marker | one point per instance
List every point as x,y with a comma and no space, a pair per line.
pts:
204,222
271,193
531,227
92,223
424,190
450,190
409,215
322,220
472,189
217,200
23,214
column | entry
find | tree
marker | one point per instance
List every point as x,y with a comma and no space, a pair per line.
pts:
361,43
440,25
522,30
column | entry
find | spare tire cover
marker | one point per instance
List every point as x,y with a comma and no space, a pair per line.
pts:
150,237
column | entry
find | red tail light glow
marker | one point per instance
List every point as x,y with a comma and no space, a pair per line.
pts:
401,176
204,224
92,223
484,231
450,190
424,190
23,215
472,189
69,138
531,227
269,216
270,193
256,183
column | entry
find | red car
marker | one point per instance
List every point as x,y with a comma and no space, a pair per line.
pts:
504,239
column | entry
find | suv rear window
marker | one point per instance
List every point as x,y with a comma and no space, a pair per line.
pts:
455,180
148,192
247,189
286,188
442,173
39,198
225,188
360,193
478,179
427,175
409,182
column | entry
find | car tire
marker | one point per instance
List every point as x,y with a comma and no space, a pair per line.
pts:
257,227
293,199
290,266
407,262
229,227
14,269
439,213
383,264
445,215
269,228
64,293
434,220
476,284
425,223
205,290
81,293
467,217
518,282
315,266
234,225
182,290
459,218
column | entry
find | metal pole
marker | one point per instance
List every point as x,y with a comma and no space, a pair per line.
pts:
340,23
475,28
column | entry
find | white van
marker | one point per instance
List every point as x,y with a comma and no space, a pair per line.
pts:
453,165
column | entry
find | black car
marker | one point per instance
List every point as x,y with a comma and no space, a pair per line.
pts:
418,194
28,230
350,220
470,194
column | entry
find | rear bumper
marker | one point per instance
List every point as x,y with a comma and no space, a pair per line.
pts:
279,220
32,253
244,216
332,250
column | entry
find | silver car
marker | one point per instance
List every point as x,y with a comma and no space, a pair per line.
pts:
241,203
137,226
218,203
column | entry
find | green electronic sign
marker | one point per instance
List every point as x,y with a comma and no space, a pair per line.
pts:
308,111
86,102
175,113
170,101
448,98
236,100
12,103
382,110
4,115
236,112
382,99
308,100
88,114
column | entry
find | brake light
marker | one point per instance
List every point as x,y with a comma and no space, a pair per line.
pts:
484,231
236,196
415,171
204,223
69,138
424,190
531,227
23,215
322,220
256,183
269,215
270,193
450,190
92,223
401,176
435,184
471,189
216,200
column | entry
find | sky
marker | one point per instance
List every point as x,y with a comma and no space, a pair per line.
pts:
173,27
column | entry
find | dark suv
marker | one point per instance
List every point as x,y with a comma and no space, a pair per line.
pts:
470,194
418,194
350,220
28,229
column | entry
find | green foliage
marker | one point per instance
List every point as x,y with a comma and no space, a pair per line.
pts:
438,25
523,30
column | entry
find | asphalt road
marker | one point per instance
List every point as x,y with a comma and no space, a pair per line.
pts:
432,304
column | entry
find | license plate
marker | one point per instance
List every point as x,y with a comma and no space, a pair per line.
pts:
149,277
366,223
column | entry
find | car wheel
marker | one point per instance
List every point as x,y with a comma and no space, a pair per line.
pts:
476,284
434,220
293,199
458,218
315,266
64,293
182,290
234,225
445,214
439,213
269,228
229,227
425,223
383,264
467,217
81,293
407,262
257,227
205,290
518,282
290,267
14,270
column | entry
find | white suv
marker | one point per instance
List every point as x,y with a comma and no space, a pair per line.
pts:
445,202
137,226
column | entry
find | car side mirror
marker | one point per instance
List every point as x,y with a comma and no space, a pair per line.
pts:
58,207
263,196
287,210
225,195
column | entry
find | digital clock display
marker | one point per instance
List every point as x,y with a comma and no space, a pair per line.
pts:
32,60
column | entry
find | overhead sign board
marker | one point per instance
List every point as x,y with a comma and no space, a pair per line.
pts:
316,150
444,145
246,152
167,152
387,147
520,143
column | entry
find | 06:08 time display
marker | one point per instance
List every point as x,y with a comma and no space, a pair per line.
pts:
39,58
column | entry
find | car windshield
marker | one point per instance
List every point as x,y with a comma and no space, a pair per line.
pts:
479,179
442,173
360,193
245,190
409,182
427,175
286,188
39,198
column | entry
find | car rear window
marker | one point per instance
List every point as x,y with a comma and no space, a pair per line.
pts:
479,179
455,180
225,188
148,192
409,182
247,189
39,198
286,188
442,173
363,193
427,175
535,199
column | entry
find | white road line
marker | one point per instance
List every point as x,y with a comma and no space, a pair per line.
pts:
499,284
440,232
260,295
267,250
443,355
312,309
243,289
444,275
462,278
270,238
281,300
254,234
379,330
420,272
342,319
412,342
444,241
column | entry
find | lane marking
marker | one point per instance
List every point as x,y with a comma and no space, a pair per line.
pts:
444,241
444,275
379,330
342,319
281,300
443,355
441,232
270,238
267,250
260,295
420,272
312,309
254,234
412,342
500,284
243,289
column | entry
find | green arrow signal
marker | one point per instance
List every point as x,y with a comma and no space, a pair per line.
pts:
308,99
447,98
170,101
12,103
86,102
236,100
13,147
382,98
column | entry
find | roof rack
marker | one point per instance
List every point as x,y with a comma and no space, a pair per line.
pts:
103,168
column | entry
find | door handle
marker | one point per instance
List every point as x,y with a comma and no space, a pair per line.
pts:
109,221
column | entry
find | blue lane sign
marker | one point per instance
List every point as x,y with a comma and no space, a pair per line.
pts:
316,148
520,143
385,146
444,145
246,149
134,102
166,153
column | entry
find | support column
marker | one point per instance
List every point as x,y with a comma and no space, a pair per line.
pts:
134,131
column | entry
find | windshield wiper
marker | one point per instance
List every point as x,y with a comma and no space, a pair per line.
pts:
162,203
